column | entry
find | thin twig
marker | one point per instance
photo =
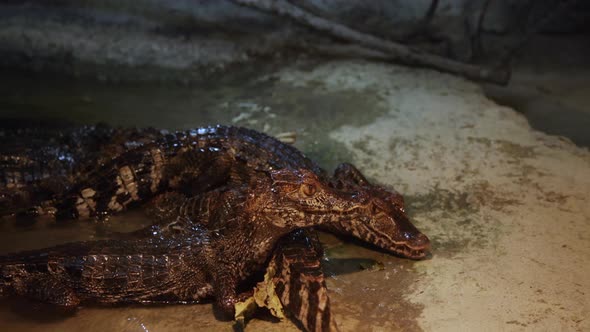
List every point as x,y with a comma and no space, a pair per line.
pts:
477,47
423,26
396,51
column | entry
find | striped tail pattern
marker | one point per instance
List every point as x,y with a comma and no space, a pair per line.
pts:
300,282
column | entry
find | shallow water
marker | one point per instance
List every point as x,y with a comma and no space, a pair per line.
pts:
259,102
359,297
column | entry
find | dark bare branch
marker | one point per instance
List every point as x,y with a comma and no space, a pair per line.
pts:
423,27
396,51
476,44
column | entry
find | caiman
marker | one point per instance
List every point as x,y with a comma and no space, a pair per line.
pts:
198,160
233,235
202,162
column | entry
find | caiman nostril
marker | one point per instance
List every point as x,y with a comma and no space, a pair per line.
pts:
422,241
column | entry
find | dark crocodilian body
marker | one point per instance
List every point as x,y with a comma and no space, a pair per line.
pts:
207,159
149,270
40,160
227,235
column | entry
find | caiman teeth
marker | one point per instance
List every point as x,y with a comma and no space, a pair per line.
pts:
409,252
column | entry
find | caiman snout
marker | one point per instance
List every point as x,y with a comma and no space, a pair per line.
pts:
418,241
416,245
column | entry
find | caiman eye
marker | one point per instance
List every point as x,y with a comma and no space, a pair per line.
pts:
375,209
308,189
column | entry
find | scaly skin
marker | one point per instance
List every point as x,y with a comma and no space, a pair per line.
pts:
190,162
236,238
148,270
300,283
203,159
209,161
385,223
298,277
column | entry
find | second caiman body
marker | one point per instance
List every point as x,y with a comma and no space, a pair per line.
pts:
199,160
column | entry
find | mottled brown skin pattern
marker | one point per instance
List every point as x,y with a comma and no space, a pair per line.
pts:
385,223
149,270
191,162
199,160
203,159
299,279
240,232
41,161
300,282
206,160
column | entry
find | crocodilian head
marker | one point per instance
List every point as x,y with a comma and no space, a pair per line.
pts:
300,198
381,219
357,208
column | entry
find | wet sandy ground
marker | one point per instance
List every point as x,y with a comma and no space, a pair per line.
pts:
505,206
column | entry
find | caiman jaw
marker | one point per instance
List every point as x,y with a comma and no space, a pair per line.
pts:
362,213
394,234
402,239
418,249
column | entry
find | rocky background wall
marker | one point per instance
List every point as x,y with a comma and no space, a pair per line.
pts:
155,39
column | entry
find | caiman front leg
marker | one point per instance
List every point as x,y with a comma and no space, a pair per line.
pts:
225,286
229,253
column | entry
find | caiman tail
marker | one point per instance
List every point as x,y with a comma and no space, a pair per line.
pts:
143,270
